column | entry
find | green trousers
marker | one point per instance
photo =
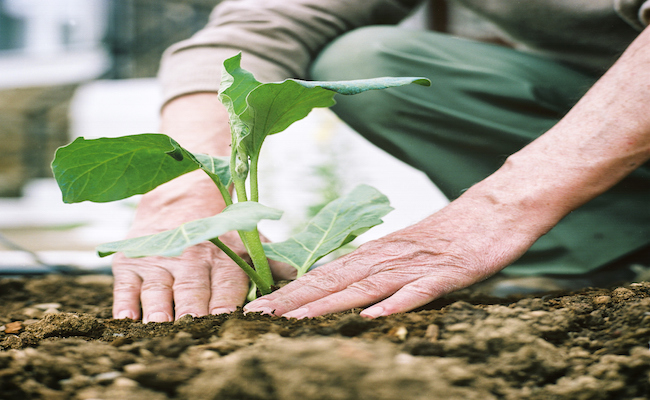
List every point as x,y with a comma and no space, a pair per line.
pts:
486,102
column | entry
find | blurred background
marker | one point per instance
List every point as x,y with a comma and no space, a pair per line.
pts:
87,68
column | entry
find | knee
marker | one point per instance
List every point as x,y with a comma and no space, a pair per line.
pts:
358,54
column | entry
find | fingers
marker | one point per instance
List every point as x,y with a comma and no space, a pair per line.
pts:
409,297
316,284
156,297
404,293
126,292
397,278
199,282
358,294
191,291
229,289
141,282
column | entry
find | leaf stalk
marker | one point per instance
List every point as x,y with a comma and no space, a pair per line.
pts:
252,274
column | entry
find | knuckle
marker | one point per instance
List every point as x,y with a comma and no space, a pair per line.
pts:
155,286
235,284
125,287
323,282
190,286
229,274
422,290
201,251
374,289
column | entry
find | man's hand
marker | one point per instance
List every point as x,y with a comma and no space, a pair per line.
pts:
466,242
203,280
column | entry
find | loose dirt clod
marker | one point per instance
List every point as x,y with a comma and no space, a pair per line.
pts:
585,345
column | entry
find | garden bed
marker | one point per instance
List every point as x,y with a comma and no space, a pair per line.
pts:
57,341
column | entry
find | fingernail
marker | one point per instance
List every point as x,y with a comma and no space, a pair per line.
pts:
297,314
221,310
125,314
190,314
372,312
157,317
263,310
259,305
256,303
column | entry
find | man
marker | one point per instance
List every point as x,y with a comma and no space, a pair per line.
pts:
545,145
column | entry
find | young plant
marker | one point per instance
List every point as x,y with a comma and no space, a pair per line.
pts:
109,169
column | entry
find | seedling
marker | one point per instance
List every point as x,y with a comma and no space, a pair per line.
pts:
109,169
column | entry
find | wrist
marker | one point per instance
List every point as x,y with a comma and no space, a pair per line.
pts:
530,201
199,122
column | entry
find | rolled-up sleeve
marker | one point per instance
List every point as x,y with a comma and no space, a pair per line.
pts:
279,39
634,12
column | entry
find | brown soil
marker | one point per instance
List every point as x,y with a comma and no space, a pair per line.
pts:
57,341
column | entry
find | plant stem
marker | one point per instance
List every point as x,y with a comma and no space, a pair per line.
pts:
222,188
252,292
252,274
255,250
251,239
253,183
238,180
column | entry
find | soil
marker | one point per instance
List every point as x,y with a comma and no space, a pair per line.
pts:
58,341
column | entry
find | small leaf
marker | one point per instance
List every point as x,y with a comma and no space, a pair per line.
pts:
242,216
176,153
108,169
214,166
338,223
236,83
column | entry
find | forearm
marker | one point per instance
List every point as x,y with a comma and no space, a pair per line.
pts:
600,141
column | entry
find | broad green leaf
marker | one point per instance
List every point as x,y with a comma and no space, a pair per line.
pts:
108,169
337,224
273,107
242,216
261,109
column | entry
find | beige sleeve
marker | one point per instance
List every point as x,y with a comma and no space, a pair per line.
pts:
278,38
634,12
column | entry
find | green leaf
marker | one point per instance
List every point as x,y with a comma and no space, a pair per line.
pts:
337,224
242,216
273,107
214,166
236,83
108,169
260,109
